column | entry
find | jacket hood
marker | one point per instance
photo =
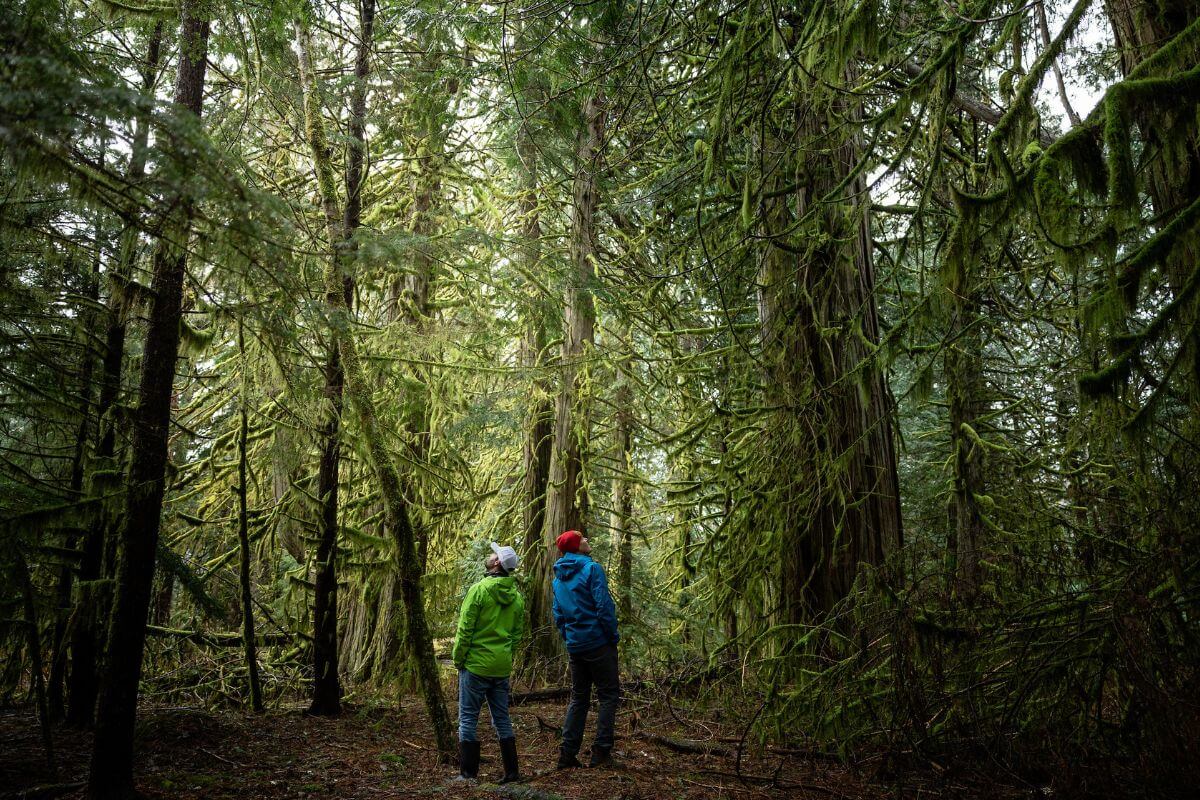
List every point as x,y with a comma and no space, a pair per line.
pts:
503,590
569,565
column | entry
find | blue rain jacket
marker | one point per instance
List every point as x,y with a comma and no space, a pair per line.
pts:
583,609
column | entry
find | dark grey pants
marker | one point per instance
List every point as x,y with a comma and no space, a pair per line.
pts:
590,668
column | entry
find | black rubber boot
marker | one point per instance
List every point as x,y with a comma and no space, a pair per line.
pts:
567,760
601,756
508,752
468,760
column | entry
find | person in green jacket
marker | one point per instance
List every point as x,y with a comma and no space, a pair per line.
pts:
489,626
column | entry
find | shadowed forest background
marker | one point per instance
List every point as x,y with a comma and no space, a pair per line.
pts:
859,336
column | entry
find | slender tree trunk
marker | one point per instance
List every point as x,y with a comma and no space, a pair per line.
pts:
33,643
419,641
622,496
622,482
164,595
327,686
623,468
539,420
964,377
683,473
243,519
83,680
731,607
63,605
566,494
111,773
327,689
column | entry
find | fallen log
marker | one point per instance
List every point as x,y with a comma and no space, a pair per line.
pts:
688,746
208,639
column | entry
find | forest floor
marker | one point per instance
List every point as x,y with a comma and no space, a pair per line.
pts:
379,752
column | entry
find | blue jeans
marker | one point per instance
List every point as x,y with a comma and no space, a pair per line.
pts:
472,691
590,668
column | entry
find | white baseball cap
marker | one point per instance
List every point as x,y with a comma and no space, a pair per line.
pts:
507,556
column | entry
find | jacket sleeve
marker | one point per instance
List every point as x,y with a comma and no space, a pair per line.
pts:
605,608
559,621
467,619
519,628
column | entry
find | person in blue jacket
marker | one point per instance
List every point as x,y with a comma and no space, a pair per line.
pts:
587,621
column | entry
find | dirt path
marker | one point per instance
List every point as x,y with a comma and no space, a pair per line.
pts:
384,753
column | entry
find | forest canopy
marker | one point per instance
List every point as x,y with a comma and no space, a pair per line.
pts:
860,337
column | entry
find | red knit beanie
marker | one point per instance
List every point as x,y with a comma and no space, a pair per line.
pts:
568,542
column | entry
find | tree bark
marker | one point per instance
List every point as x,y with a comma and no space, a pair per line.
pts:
111,773
1172,169
622,495
839,497
327,690
566,492
243,522
964,378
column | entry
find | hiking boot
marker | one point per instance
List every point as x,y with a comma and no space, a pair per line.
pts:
601,757
567,760
508,752
468,760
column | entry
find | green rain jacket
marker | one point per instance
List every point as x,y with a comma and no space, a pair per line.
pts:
490,624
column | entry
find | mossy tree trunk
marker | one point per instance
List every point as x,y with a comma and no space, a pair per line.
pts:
539,411
83,678
418,639
566,490
1171,148
622,483
111,774
243,523
839,499
327,690
965,385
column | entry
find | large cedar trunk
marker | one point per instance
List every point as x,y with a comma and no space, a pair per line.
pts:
1170,155
111,773
1140,28
832,438
566,496
409,302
